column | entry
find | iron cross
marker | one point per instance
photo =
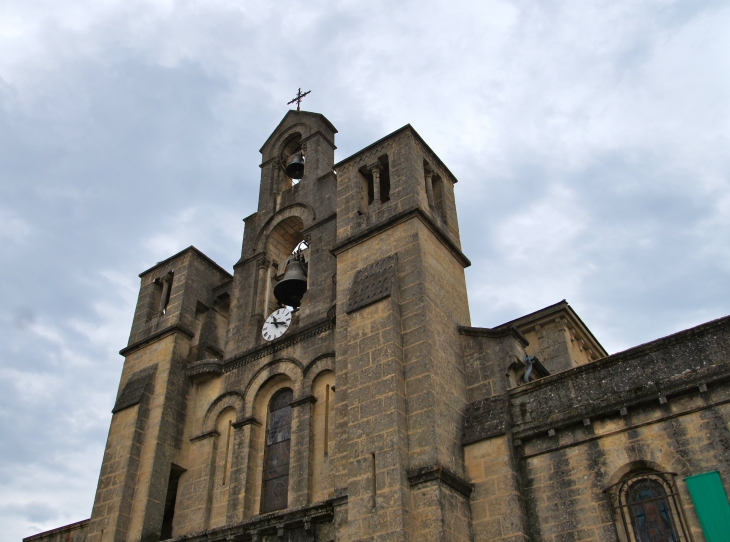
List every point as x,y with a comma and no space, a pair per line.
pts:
299,97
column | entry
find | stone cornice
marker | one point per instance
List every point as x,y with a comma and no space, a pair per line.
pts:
494,333
45,535
307,400
205,367
244,261
626,355
399,218
246,421
169,330
204,436
437,472
615,402
301,517
279,344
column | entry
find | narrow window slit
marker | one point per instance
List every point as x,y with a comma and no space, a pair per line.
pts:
228,451
326,419
374,487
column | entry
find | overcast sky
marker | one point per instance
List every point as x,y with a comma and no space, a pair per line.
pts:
590,140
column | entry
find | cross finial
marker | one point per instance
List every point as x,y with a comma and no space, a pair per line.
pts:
299,97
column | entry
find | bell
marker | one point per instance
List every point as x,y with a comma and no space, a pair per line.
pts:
295,168
289,290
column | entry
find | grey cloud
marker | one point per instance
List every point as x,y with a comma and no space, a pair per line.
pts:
589,140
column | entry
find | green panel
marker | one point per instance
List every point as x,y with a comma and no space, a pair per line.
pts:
711,505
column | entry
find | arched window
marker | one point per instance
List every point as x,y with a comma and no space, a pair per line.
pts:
647,508
276,454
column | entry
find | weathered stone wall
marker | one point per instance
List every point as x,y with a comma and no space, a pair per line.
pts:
664,405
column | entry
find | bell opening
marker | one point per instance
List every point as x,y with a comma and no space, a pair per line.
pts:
295,167
292,287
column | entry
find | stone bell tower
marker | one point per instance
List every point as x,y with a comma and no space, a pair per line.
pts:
358,402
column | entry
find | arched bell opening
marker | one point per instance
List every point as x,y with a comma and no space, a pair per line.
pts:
292,160
286,250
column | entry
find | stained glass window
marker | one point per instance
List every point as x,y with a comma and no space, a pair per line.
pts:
647,508
277,448
650,512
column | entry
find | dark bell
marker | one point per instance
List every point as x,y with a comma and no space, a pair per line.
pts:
295,168
289,290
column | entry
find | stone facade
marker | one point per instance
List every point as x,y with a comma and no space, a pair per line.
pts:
404,422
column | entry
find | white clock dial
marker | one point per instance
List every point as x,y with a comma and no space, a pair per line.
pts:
276,324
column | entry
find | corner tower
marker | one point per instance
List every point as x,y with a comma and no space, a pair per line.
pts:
401,297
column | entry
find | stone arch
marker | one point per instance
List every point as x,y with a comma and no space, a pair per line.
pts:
654,456
324,362
303,212
277,145
231,399
632,466
289,368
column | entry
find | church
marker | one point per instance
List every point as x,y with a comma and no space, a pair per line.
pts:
333,389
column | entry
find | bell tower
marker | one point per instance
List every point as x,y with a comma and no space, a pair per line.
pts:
290,211
321,388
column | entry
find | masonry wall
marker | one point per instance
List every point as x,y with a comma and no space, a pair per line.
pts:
403,367
664,406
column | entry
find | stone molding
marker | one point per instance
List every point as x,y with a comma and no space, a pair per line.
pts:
399,218
169,330
494,333
280,344
53,533
246,421
307,400
205,435
437,472
669,366
212,367
269,524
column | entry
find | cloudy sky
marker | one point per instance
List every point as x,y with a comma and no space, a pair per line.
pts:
590,140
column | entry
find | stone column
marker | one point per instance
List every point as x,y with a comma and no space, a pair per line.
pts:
239,469
166,284
428,173
375,168
300,458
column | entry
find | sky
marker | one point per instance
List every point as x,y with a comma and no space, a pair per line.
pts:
591,141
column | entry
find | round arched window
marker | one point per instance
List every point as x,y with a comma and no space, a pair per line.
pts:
277,451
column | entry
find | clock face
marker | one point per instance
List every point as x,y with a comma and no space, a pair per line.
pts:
276,324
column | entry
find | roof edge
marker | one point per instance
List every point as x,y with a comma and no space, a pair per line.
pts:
405,128
191,248
324,119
